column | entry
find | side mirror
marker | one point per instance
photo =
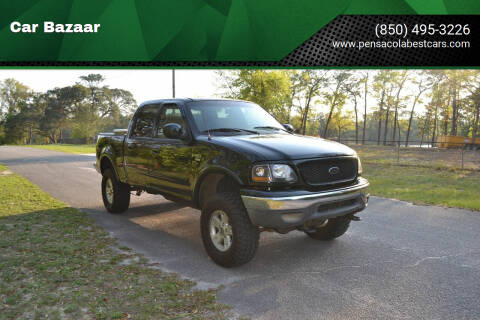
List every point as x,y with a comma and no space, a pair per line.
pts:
288,127
173,131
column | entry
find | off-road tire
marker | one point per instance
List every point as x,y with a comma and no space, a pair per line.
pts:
245,234
334,228
121,193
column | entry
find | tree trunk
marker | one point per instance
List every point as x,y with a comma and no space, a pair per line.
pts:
395,117
305,115
365,110
399,132
475,126
423,129
380,112
30,134
334,102
410,119
356,120
453,130
434,125
385,133
445,117
397,102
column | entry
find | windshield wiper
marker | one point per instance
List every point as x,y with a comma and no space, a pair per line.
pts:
270,127
230,130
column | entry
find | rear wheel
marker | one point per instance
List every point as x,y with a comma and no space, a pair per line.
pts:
229,237
116,195
329,229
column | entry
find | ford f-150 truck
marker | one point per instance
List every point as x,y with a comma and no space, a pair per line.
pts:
245,171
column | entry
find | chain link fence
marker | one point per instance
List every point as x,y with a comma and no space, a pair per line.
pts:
433,155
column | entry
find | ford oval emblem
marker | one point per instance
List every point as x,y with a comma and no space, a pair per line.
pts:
333,170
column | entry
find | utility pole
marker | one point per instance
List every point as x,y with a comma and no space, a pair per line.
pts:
173,83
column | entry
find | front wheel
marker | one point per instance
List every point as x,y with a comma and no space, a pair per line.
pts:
229,237
329,229
116,195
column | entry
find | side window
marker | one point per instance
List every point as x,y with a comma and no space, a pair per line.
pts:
170,113
145,121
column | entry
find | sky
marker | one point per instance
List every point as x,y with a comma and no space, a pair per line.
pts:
143,84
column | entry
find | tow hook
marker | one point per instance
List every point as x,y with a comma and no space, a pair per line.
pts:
354,218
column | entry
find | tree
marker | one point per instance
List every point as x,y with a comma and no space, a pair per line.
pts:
60,106
309,86
269,89
457,81
337,96
380,87
353,90
13,95
342,121
399,82
422,86
15,102
437,97
365,95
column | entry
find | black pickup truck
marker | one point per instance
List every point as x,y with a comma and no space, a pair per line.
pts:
244,170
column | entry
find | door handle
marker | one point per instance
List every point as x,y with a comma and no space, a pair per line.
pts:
132,145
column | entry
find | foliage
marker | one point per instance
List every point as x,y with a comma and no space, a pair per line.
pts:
388,105
80,111
400,104
270,89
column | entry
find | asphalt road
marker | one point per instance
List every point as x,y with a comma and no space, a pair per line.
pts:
401,262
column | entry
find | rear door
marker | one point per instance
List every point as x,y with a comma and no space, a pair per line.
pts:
172,160
138,153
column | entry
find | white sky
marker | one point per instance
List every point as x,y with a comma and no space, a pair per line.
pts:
143,84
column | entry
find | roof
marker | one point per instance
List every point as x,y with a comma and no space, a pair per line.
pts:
180,100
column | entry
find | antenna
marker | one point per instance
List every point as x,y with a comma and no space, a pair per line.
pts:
173,83
206,124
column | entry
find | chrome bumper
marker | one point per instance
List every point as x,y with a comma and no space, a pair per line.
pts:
292,211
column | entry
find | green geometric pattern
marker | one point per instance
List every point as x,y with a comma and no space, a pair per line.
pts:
187,30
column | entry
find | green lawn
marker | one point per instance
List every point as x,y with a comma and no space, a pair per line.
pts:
420,185
70,148
55,262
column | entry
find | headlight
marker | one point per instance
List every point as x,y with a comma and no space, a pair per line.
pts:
360,169
273,173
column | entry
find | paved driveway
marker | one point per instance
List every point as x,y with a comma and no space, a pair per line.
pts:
401,262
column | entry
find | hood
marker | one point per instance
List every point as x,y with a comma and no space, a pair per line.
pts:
282,146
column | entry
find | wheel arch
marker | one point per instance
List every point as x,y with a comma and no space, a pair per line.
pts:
210,180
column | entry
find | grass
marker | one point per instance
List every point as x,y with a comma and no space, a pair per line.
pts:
413,156
55,262
70,148
425,185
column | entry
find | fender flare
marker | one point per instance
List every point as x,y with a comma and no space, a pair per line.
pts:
107,153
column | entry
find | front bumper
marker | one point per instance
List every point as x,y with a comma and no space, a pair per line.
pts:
278,210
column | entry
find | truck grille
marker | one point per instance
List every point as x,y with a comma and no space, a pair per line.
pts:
329,171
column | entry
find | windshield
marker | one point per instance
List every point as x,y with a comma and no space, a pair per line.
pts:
232,116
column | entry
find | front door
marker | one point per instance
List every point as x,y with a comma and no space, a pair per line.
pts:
171,168
138,146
